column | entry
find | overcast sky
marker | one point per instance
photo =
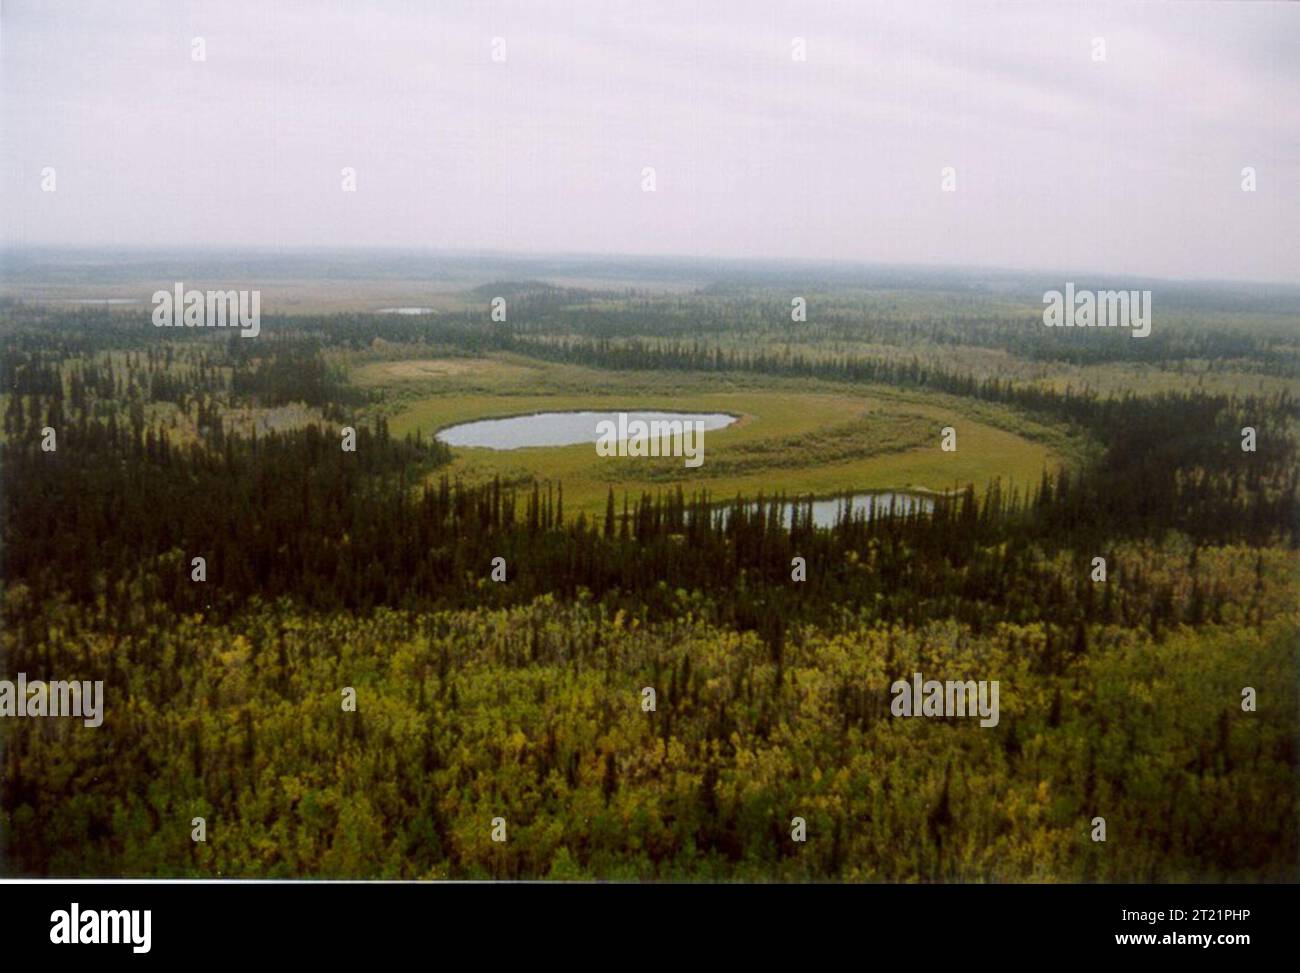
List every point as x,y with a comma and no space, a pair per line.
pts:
1131,164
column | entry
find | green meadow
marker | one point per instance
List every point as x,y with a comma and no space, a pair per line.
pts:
793,436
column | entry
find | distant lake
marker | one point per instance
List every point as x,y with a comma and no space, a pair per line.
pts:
558,428
827,513
405,310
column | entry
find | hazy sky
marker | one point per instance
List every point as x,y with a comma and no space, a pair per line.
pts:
1131,164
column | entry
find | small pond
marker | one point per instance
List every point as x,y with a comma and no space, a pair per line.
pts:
827,513
559,428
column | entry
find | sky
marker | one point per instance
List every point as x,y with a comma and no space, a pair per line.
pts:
528,128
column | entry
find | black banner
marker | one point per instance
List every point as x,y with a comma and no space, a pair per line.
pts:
333,921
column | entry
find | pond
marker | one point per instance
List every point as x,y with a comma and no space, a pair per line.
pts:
827,513
559,428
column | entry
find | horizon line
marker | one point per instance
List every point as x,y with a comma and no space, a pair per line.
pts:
490,253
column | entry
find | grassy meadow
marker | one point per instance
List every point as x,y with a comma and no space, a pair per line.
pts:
793,436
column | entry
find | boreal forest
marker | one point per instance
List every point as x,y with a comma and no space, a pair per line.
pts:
407,659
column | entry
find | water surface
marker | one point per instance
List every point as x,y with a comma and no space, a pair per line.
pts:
558,428
827,513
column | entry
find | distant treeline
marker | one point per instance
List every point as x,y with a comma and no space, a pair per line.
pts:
1243,330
